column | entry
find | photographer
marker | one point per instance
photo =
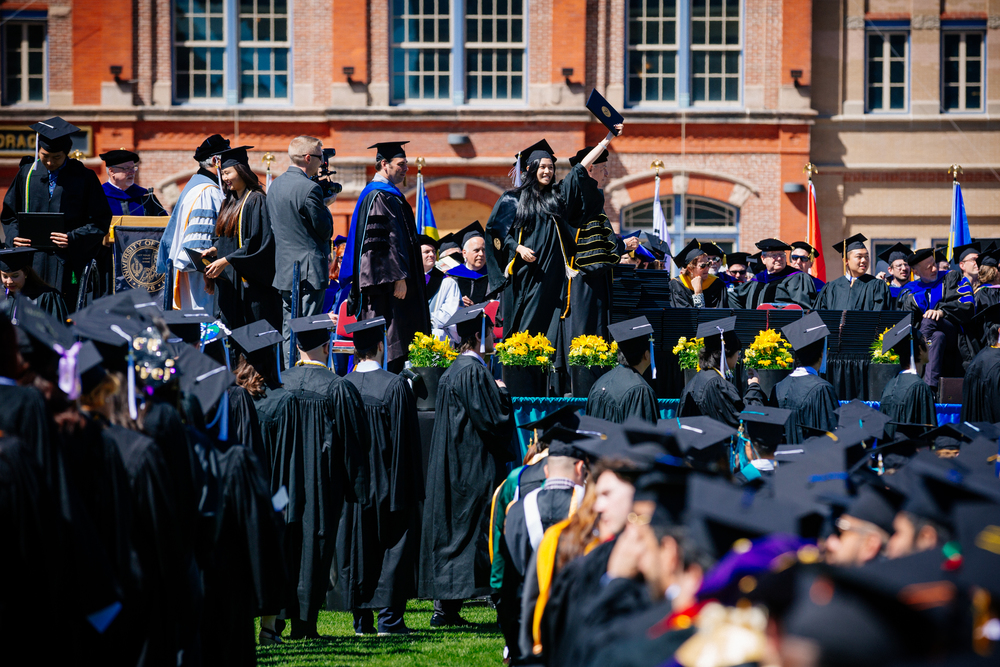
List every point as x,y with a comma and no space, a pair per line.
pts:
302,227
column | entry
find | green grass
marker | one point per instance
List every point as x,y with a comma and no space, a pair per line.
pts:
480,644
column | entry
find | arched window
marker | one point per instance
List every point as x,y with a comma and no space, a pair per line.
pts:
688,217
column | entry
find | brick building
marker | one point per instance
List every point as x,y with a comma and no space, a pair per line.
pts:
719,90
903,89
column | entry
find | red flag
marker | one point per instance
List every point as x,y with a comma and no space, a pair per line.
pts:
815,238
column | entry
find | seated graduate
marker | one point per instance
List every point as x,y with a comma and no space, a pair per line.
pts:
710,392
980,398
988,292
906,398
470,446
802,257
432,275
856,289
763,430
622,392
379,567
20,281
465,284
810,397
897,275
532,515
778,283
125,197
694,287
937,307
737,269
331,471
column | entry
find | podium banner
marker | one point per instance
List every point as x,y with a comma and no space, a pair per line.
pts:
135,259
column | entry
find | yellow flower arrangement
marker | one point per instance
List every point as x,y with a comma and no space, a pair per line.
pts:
687,352
523,349
876,349
769,351
592,351
427,351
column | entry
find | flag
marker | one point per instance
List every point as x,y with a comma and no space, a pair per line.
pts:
659,220
815,238
959,234
425,217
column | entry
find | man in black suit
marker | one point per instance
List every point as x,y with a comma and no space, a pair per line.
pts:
302,227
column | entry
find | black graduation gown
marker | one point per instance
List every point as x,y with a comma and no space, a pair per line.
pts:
244,290
328,464
136,200
473,427
244,426
907,399
536,292
162,561
432,283
986,296
278,417
713,289
44,297
473,288
570,593
386,249
553,507
810,398
23,414
32,557
711,395
622,393
244,577
377,543
787,286
79,196
864,293
641,643
980,398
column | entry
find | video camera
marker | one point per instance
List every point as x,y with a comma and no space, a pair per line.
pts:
330,188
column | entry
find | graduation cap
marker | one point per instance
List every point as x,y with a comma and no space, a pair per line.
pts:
469,232
702,440
234,156
89,365
54,337
658,245
741,258
213,145
802,245
367,333
54,134
990,255
868,419
977,527
717,332
536,151
604,112
805,331
447,242
856,242
568,449
466,321
567,414
584,152
578,427
117,157
256,336
312,331
712,250
632,335
688,254
937,485
16,259
959,253
877,506
186,324
772,245
343,239
755,265
423,239
919,256
896,252
765,425
202,377
389,150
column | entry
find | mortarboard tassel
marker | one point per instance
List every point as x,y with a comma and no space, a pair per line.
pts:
652,357
517,172
725,366
133,412
385,348
225,345
329,354
277,360
913,363
221,418
822,364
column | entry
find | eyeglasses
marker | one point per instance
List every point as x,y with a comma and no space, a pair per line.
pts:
318,157
738,273
773,255
123,170
703,265
800,258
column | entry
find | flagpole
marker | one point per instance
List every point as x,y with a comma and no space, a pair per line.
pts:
421,163
267,160
953,171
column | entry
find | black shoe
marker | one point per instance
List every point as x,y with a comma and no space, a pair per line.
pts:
439,620
303,630
395,632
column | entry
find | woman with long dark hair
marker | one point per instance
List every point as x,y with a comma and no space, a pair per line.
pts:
244,270
21,282
532,232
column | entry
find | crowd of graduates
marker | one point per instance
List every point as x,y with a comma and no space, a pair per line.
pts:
169,476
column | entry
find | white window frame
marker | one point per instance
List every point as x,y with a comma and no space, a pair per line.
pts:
24,51
660,48
421,47
273,45
963,61
723,48
887,58
483,48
